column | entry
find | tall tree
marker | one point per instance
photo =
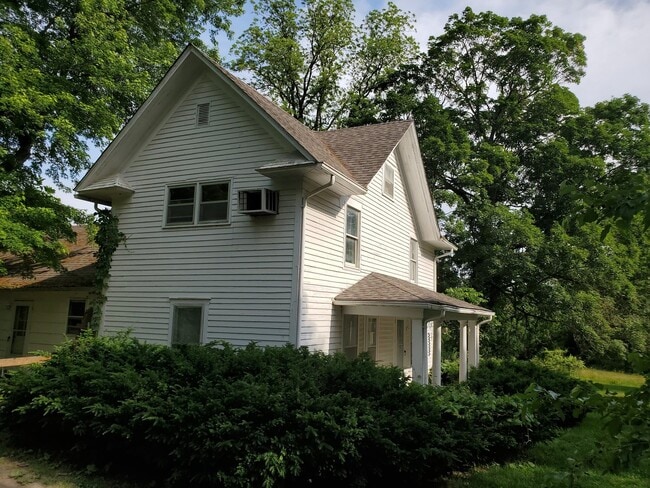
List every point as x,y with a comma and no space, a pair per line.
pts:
503,137
312,59
73,72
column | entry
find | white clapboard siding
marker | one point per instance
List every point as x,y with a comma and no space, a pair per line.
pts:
47,320
244,270
386,231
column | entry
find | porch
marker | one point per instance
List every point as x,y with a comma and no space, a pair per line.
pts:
397,322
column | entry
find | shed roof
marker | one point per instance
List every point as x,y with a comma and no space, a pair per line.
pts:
79,268
377,288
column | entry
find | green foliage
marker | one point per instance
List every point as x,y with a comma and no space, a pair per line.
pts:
219,416
517,165
312,59
108,238
559,360
73,73
627,420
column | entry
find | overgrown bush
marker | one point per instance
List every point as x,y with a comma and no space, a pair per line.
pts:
561,398
219,416
559,360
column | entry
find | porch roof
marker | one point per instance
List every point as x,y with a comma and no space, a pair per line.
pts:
379,289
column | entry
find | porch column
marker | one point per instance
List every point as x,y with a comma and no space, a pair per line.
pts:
462,352
418,358
437,354
472,332
428,351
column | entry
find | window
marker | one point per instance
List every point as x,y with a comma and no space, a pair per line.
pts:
389,180
77,317
352,218
211,206
350,335
371,337
413,264
187,323
203,114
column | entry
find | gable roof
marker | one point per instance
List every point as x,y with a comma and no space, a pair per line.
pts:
79,268
353,156
377,288
378,141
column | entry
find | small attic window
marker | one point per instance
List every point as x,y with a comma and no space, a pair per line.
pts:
389,180
203,114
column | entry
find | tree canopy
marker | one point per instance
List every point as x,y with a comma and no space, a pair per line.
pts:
72,73
312,59
520,167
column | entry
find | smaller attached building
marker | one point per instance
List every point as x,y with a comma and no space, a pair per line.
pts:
40,312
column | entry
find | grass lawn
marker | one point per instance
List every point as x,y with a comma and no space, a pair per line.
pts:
572,460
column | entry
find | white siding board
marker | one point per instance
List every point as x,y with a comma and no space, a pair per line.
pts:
386,231
245,268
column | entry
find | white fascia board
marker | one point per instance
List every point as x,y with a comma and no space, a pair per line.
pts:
146,119
419,305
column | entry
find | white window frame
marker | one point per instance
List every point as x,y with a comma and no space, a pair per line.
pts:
188,303
196,204
389,178
414,253
357,239
82,317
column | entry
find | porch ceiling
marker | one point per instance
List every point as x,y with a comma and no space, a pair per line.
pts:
378,289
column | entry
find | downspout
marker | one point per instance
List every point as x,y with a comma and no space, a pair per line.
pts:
301,260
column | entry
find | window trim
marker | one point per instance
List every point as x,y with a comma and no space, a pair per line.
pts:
414,261
196,204
357,258
83,325
392,181
188,302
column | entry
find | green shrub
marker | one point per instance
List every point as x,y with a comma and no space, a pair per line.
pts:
557,402
219,416
559,360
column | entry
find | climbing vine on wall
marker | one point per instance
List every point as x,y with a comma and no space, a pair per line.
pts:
108,238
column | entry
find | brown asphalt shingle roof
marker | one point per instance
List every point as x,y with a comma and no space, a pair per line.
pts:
378,288
365,149
357,153
79,267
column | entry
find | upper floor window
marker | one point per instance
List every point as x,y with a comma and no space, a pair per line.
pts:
413,262
198,203
352,234
389,180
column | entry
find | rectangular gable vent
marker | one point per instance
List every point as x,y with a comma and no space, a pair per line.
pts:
258,201
203,114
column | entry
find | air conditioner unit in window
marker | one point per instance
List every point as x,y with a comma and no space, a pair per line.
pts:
258,201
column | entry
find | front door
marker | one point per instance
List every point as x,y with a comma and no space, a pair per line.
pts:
19,331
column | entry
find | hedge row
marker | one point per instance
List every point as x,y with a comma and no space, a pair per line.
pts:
219,416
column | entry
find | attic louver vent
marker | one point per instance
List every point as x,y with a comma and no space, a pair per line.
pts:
202,114
259,201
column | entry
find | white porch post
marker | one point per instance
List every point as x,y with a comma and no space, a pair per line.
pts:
418,358
462,353
437,354
428,351
472,332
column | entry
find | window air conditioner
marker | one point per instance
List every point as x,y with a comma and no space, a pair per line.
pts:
258,201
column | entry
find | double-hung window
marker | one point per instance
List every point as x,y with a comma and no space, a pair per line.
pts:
198,203
413,262
389,180
352,236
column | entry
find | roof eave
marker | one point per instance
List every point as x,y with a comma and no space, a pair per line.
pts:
414,304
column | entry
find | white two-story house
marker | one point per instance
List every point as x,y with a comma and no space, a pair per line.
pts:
243,225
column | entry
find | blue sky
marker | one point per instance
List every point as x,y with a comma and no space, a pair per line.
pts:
617,44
